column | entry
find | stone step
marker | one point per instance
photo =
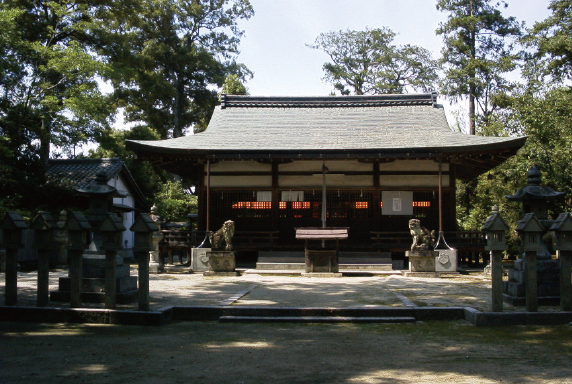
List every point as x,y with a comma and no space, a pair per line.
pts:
315,319
302,266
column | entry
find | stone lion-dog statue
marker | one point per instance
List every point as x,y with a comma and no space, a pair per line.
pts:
223,236
423,240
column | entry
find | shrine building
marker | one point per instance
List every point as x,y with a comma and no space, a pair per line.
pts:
266,162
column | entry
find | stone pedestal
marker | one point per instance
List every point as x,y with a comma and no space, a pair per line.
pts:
221,263
155,265
548,283
321,261
93,282
200,259
446,260
422,261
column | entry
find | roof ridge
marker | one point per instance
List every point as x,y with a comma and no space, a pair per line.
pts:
240,101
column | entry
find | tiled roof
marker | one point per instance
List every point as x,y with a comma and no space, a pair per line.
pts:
80,173
350,123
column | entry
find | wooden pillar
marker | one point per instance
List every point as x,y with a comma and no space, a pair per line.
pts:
531,282
565,280
376,198
497,284
275,205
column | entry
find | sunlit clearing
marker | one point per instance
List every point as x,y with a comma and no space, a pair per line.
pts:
427,377
239,344
88,369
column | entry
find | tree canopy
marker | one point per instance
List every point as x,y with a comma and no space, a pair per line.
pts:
367,62
478,52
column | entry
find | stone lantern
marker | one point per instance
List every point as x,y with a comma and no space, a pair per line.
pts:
43,226
144,228
562,228
495,228
530,231
111,229
12,226
535,199
78,230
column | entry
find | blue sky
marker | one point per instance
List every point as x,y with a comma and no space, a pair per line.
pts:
274,45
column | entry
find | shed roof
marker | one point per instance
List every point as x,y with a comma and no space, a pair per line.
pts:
81,173
381,126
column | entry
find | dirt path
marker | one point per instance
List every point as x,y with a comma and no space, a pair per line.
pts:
210,352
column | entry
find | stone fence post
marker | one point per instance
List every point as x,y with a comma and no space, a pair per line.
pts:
495,228
145,229
562,228
43,226
12,226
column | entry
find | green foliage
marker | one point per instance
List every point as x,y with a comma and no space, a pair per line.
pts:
174,202
366,62
553,37
169,56
478,53
233,86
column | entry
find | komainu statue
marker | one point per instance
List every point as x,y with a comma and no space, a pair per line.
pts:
223,236
423,240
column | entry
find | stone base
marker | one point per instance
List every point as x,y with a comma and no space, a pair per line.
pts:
176,268
321,261
199,259
548,280
421,261
221,261
95,297
320,274
430,274
155,268
222,274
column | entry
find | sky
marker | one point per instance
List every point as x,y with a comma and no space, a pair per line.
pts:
274,44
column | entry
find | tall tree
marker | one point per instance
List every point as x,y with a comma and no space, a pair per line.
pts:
170,56
478,53
48,89
367,62
553,39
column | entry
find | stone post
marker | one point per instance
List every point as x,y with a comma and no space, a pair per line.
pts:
144,228
61,239
78,230
155,262
562,228
43,225
495,228
110,230
12,226
530,231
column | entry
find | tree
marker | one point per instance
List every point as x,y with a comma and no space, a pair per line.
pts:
169,56
477,53
553,39
366,62
233,86
48,89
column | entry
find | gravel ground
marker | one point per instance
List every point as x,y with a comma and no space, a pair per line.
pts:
265,290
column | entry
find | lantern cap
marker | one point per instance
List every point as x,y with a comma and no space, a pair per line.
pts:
563,223
43,222
144,223
535,191
77,222
495,222
112,223
13,220
529,223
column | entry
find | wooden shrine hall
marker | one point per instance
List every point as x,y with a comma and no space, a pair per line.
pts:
271,164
